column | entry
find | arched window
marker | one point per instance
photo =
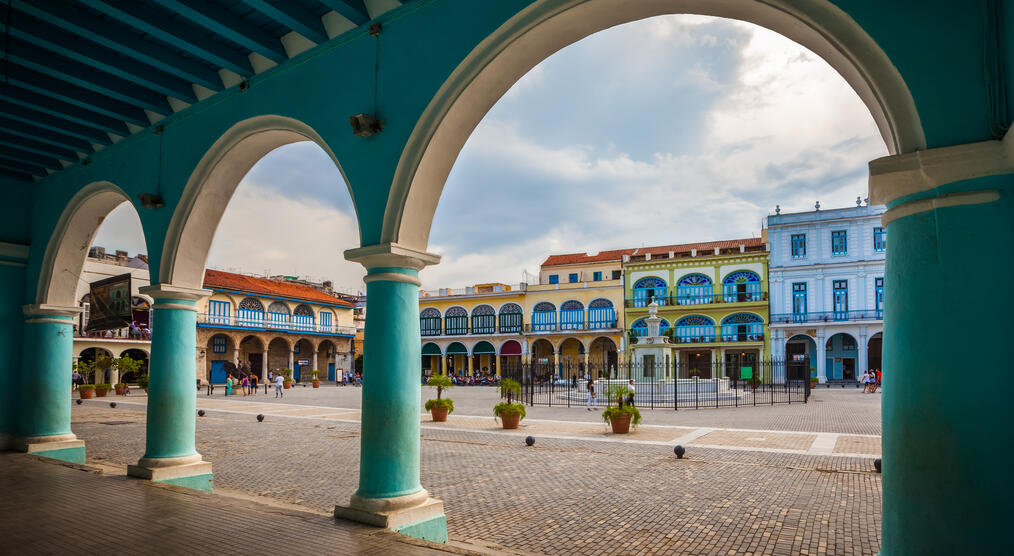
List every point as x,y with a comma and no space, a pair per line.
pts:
219,312
572,315
543,317
302,318
483,320
601,314
250,313
694,289
640,327
429,322
742,285
511,316
742,327
649,289
456,321
278,315
694,329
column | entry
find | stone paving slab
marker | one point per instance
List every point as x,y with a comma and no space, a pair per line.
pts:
858,445
772,440
561,496
49,508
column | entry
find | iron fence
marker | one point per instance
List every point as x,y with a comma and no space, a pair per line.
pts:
669,385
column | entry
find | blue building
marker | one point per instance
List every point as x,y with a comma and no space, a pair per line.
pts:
826,276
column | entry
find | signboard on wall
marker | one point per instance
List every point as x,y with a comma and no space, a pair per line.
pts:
109,307
302,362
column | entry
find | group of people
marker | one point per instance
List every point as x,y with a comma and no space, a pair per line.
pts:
871,380
245,383
350,377
139,332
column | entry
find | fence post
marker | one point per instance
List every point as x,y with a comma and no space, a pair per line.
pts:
570,381
716,391
697,392
675,385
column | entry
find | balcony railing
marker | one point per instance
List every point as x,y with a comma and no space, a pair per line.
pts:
568,326
273,324
828,316
682,299
707,334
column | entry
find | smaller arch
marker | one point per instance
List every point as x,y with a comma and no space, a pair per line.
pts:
572,305
302,318
649,289
430,322
510,318
456,348
510,308
693,329
482,348
640,327
543,317
544,306
572,315
510,347
430,312
483,319
431,348
600,303
303,310
483,310
601,314
278,315
456,311
250,312
742,327
456,321
694,289
740,286
252,304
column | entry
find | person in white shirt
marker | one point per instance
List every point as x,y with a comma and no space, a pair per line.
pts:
278,386
630,396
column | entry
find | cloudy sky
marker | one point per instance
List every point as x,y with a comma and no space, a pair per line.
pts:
668,130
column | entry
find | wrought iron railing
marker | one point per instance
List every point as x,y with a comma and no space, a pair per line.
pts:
681,299
827,316
273,324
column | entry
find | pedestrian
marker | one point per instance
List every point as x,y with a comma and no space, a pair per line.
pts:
630,396
253,384
278,386
228,384
75,379
873,381
866,380
246,385
878,378
591,395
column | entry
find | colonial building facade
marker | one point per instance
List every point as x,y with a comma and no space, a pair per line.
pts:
827,289
712,298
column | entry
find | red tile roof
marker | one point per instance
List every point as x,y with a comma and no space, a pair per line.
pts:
219,280
617,254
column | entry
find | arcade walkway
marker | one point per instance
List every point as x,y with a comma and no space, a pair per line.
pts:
51,508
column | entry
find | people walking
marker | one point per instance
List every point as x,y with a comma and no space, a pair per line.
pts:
278,386
866,381
228,385
75,380
591,395
253,384
630,396
245,383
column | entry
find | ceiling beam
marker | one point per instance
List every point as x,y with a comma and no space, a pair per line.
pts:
20,176
16,166
55,139
227,24
60,109
157,22
122,39
30,56
293,16
21,155
52,87
36,32
352,10
56,124
37,147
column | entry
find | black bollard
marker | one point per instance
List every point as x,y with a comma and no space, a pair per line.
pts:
530,440
260,418
877,464
79,401
112,404
679,451
200,413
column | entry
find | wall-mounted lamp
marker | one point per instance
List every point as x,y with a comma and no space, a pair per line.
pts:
151,201
365,125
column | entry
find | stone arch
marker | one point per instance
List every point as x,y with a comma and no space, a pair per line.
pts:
537,32
68,245
211,185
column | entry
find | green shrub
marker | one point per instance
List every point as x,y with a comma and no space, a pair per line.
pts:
506,408
142,381
104,386
440,402
510,389
614,411
86,387
118,384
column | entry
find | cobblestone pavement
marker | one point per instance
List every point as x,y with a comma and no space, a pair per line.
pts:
829,410
45,503
562,496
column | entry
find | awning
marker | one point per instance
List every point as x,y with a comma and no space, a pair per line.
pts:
511,347
483,347
431,349
456,348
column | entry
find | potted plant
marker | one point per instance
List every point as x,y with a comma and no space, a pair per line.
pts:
127,366
101,365
315,381
287,383
86,370
142,381
509,412
440,407
621,415
102,389
121,388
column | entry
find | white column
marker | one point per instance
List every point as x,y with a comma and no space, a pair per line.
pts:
821,356
314,367
235,356
292,359
862,362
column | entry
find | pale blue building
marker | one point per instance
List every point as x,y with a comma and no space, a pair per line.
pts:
826,275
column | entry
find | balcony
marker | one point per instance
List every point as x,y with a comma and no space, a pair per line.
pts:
273,324
727,334
828,316
569,326
673,299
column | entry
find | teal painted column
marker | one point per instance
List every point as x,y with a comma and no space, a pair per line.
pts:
947,482
43,407
170,453
390,494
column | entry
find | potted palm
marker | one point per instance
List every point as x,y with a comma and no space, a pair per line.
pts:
440,407
315,381
86,370
127,366
287,383
509,412
620,416
102,365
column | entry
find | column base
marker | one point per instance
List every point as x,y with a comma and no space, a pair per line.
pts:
63,447
415,515
188,472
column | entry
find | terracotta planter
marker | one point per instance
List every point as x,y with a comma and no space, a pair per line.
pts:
101,392
122,390
316,384
439,413
86,393
621,424
286,385
510,420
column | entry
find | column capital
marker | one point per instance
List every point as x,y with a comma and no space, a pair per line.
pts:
900,175
391,255
169,291
46,310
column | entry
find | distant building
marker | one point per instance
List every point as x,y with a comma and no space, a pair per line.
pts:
827,289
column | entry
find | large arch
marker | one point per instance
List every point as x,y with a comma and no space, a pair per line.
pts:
537,32
68,245
211,185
